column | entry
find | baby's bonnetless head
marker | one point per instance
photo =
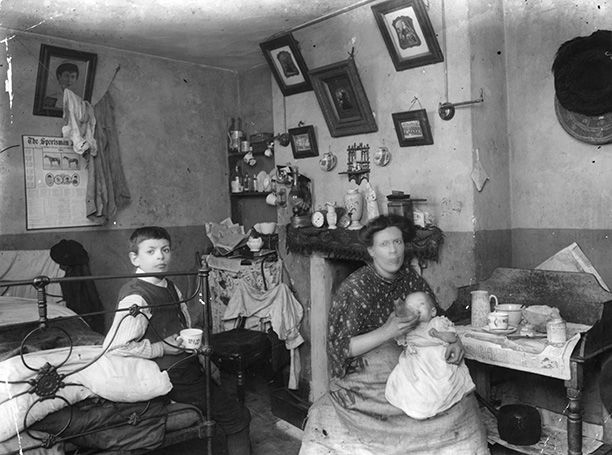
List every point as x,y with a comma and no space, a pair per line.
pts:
419,303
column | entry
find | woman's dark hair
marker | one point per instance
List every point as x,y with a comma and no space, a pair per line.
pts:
382,222
67,68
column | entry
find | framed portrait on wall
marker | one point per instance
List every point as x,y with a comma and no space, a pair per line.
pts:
408,33
303,142
287,65
60,68
343,99
412,128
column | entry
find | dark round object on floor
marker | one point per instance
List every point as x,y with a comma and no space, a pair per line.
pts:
519,424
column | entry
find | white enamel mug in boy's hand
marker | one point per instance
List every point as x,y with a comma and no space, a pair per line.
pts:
191,338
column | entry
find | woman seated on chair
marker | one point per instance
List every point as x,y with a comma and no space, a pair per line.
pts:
354,417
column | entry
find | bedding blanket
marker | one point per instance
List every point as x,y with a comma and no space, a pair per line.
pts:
115,378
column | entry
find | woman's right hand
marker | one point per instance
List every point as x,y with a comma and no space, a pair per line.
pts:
396,326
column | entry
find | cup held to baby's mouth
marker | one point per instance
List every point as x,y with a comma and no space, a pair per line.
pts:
403,311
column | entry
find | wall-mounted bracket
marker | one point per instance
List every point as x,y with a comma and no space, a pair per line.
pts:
358,167
446,111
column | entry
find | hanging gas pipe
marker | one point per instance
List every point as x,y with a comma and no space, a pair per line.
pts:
446,111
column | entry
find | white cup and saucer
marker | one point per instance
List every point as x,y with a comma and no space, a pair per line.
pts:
498,323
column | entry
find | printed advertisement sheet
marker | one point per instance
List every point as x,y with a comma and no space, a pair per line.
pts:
55,183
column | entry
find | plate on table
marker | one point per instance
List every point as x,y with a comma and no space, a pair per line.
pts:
499,331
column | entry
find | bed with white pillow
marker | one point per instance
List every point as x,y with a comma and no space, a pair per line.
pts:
59,392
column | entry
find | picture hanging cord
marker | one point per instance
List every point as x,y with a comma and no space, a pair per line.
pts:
284,114
113,78
415,100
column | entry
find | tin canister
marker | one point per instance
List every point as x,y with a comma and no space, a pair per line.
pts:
555,331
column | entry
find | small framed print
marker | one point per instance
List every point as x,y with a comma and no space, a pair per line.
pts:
343,99
58,69
408,33
303,142
412,128
287,65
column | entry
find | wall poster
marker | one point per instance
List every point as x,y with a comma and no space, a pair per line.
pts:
55,183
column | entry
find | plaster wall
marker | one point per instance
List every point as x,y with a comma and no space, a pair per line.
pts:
560,186
439,172
171,119
492,216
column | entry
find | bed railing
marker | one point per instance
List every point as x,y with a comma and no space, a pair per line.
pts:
49,381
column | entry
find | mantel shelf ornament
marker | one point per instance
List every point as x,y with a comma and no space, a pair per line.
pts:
358,169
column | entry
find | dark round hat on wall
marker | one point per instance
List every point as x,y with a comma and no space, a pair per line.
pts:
583,87
583,74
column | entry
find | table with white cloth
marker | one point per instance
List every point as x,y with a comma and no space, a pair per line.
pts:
586,307
529,354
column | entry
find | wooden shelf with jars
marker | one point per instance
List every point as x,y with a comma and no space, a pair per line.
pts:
247,187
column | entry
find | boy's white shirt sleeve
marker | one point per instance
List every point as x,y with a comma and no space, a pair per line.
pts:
128,339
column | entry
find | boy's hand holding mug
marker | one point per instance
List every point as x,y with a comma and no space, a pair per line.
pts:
172,345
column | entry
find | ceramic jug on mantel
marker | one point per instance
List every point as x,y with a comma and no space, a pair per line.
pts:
353,201
331,216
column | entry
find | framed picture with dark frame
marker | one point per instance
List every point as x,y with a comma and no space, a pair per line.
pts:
60,68
303,142
412,128
287,65
343,99
408,33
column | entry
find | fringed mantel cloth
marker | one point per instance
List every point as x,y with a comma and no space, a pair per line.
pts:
344,244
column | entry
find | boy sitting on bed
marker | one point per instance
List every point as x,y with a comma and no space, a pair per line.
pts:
153,335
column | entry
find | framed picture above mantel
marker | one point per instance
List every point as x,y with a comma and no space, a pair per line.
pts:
412,128
408,34
303,142
343,99
287,64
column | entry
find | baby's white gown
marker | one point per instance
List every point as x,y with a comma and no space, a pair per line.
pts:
423,384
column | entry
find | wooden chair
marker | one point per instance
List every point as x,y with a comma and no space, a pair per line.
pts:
236,351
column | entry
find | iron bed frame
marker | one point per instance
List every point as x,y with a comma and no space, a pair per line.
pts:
49,381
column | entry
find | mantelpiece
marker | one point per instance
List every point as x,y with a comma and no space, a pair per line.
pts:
345,244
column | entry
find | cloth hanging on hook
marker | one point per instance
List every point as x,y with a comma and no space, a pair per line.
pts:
479,174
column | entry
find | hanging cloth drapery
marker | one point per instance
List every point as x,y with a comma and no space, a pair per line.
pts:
79,123
107,189
94,136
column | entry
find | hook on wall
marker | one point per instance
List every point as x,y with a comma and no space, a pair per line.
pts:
446,111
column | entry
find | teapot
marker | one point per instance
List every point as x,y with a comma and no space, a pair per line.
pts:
255,243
